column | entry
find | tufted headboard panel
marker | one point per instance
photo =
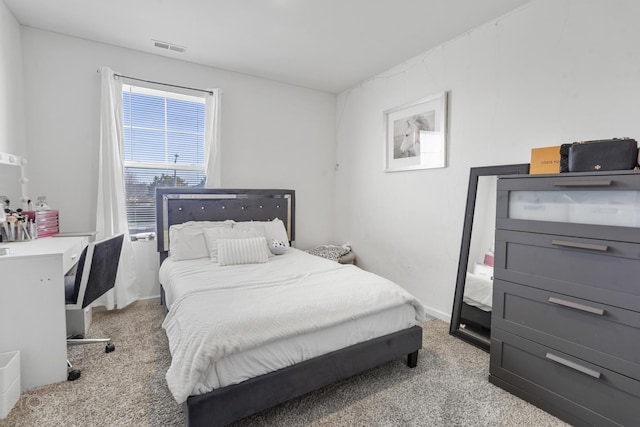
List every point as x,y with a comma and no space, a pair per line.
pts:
178,205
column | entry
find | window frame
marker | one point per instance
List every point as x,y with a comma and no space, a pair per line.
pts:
161,167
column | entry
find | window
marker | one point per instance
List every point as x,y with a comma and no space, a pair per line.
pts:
163,147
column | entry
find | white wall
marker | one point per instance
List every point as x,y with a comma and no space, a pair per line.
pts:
147,265
12,139
552,72
273,135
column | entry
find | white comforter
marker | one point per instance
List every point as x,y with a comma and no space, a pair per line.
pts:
478,291
242,307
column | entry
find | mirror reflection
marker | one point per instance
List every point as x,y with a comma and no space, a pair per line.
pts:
471,314
10,185
478,290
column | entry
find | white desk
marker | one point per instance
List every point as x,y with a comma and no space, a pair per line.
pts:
32,305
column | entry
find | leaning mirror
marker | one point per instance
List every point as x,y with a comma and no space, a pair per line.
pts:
471,314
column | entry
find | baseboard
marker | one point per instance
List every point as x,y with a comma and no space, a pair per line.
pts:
142,301
446,317
148,301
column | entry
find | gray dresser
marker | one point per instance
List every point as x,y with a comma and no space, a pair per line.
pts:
565,332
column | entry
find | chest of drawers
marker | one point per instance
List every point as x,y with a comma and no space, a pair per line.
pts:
566,307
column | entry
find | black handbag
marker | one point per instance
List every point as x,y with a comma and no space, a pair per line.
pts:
603,155
564,157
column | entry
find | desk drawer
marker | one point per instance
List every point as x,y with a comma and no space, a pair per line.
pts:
583,328
71,256
595,394
596,270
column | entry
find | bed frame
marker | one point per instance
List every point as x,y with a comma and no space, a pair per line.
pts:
228,404
477,318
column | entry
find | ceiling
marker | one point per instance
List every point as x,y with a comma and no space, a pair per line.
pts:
328,45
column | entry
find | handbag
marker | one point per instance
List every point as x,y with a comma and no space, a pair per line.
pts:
603,155
564,158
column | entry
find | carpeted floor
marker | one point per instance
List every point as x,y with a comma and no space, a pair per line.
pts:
127,387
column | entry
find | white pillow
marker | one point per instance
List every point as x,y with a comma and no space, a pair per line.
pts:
186,240
251,250
483,270
273,230
211,236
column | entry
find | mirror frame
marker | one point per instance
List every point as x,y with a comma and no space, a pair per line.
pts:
474,175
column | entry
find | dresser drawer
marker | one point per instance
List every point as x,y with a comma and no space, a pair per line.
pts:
594,205
47,231
71,256
596,270
42,215
553,379
47,222
583,328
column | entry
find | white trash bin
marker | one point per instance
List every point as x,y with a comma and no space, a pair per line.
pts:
9,381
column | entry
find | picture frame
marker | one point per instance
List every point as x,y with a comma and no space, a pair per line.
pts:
416,135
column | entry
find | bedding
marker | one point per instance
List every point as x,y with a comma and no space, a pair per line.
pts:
250,250
478,291
187,239
478,288
273,230
213,234
331,252
224,320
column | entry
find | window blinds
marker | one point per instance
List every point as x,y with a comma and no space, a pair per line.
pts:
163,147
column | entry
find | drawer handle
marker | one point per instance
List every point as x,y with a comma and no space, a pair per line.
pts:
577,306
580,245
572,365
603,183
74,256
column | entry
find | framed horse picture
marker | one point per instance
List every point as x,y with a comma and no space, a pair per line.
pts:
416,135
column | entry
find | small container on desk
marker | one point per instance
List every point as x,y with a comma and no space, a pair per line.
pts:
46,222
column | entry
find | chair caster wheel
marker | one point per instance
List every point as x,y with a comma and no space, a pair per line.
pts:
73,375
109,348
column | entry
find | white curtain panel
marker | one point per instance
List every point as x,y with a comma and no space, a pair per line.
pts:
111,212
212,138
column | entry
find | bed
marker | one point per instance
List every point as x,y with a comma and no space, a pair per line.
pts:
250,378
478,298
476,306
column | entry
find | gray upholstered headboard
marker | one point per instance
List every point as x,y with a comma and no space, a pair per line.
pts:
178,205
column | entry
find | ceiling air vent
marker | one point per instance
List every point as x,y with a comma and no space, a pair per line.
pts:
169,46
176,48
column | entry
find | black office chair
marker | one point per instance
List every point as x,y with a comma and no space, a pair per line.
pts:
95,275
